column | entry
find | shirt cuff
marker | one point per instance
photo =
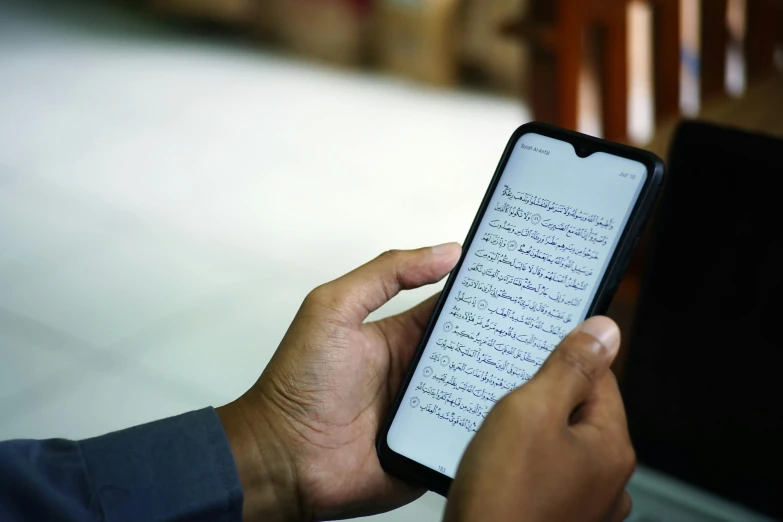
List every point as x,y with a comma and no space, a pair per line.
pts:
179,468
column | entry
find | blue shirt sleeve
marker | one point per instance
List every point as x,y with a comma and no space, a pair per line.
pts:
175,469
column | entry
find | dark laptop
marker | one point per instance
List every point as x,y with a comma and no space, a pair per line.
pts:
703,385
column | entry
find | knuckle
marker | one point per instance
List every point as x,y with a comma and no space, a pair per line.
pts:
394,259
612,384
577,359
508,407
624,461
536,410
319,296
629,458
520,404
390,254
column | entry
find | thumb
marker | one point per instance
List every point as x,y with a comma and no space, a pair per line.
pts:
578,363
365,289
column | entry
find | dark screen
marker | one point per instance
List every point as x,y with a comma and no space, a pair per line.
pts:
703,385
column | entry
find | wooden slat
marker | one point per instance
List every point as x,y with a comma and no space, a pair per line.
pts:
714,44
667,21
553,31
614,74
570,56
761,37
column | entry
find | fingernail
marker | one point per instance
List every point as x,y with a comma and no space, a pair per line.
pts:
446,249
605,330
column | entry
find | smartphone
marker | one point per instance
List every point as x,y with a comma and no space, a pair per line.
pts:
547,249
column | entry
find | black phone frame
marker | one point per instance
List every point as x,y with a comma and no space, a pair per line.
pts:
584,145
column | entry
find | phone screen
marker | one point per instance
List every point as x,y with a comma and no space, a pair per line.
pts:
528,278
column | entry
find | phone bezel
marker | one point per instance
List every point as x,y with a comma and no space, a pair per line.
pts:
419,474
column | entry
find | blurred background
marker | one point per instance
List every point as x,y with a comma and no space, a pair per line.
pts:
176,175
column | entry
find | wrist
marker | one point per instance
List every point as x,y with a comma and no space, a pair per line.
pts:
265,468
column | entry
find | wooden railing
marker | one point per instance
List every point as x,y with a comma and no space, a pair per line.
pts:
556,31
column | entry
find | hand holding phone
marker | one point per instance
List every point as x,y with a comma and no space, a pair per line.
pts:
535,455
